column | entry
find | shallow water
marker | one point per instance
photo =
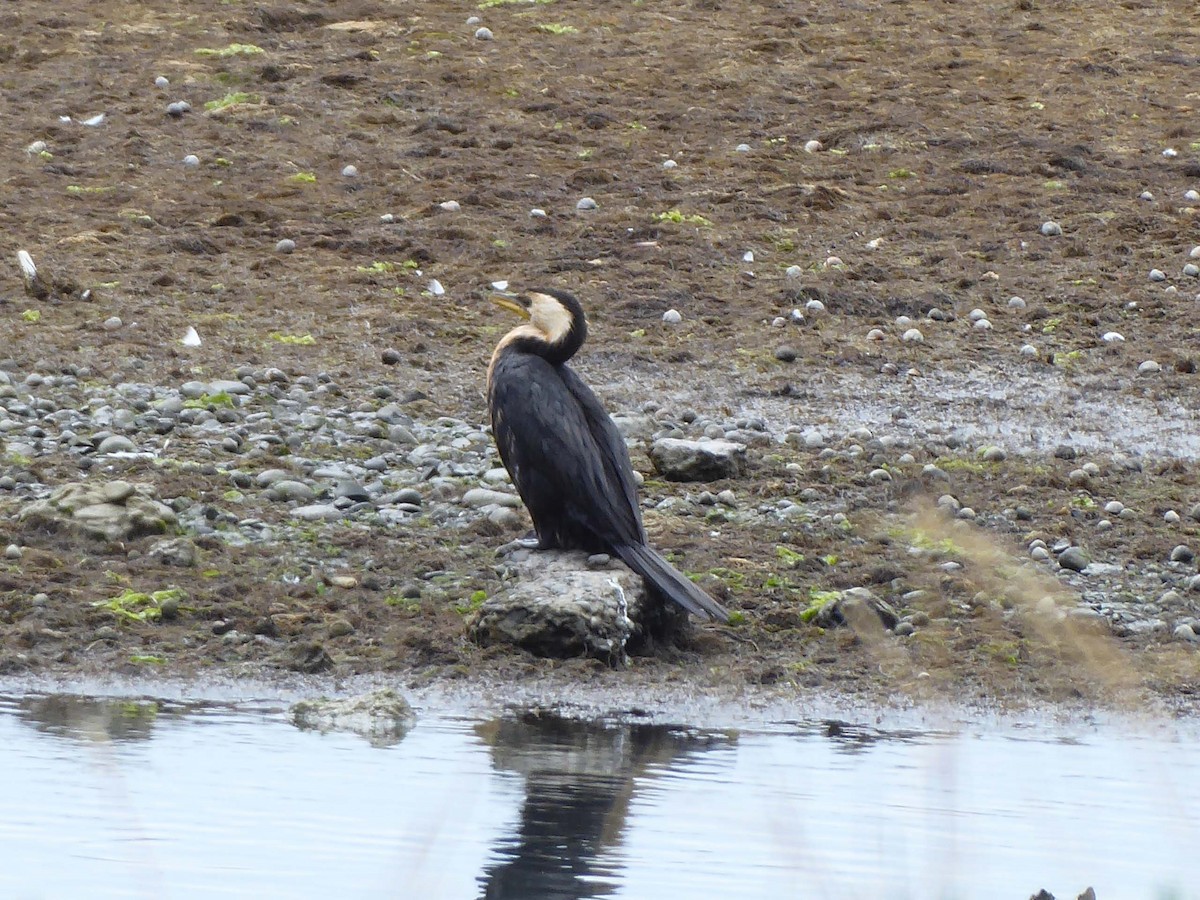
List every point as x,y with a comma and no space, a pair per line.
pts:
143,798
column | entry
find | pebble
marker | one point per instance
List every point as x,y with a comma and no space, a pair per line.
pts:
1158,275
748,256
913,335
1191,270
995,454
1182,553
1149,367
286,245
318,512
116,443
112,323
1195,252
191,160
162,81
793,271
1113,337
1171,517
815,306
450,206
880,475
350,171
669,164
12,551
1074,559
390,357
290,490
1146,195
875,334
1016,303
1039,553
672,317
813,146
483,34
1114,507
587,203
1185,632
786,354
537,213
1051,229
1170,153
178,108
1028,350
904,629
983,325
742,148
1191,196
481,497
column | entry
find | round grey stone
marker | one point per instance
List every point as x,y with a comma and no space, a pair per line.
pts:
1182,553
116,443
1074,559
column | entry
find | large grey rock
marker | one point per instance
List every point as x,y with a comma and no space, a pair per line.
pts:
710,460
560,608
383,717
113,511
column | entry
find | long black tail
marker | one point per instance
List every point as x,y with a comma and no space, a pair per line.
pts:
670,581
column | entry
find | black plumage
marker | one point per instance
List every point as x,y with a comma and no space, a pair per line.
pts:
563,451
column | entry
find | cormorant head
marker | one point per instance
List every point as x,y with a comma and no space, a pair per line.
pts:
556,316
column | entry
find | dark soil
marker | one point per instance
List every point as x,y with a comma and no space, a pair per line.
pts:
950,131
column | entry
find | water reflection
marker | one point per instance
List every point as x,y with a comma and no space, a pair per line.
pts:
579,779
90,718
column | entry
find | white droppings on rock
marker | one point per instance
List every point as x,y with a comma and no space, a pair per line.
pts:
813,146
1051,229
672,317
1028,350
191,160
1149,367
1113,337
449,206
913,336
1016,303
587,203
350,171
285,245
483,34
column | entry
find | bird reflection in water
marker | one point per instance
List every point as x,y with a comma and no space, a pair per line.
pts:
580,778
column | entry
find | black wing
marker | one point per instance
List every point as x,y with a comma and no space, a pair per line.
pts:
564,454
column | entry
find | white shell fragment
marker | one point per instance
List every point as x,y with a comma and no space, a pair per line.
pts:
435,287
499,285
191,338
94,121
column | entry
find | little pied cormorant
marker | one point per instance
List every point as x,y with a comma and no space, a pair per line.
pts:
563,451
